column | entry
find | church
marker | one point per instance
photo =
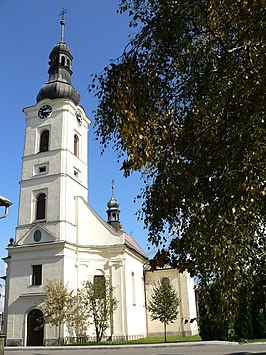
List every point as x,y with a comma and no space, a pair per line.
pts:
60,237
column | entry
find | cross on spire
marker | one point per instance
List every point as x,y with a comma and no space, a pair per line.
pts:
62,23
62,13
113,187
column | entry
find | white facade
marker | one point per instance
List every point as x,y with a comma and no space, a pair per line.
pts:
73,243
59,236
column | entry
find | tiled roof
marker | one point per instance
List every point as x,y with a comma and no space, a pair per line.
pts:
131,243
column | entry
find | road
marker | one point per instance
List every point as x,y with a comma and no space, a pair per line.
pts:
169,349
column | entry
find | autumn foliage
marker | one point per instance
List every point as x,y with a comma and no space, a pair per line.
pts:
185,106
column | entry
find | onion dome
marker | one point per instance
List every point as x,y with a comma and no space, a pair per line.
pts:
113,211
113,203
59,83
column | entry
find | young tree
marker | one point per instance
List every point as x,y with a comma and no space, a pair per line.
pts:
185,105
57,305
164,303
77,320
99,303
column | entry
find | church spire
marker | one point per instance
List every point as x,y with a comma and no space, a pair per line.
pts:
59,83
113,211
62,23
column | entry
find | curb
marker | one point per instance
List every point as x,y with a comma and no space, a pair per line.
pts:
139,346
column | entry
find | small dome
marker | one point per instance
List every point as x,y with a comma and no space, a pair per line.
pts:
113,211
62,47
58,90
113,203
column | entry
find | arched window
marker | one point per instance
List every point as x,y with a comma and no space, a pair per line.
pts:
133,288
62,60
165,281
44,141
76,145
99,286
98,279
40,206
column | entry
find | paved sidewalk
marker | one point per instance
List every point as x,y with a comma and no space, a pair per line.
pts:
157,345
184,348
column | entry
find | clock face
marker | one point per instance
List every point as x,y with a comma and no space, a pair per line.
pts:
45,111
78,117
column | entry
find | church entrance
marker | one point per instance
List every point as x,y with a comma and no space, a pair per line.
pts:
34,331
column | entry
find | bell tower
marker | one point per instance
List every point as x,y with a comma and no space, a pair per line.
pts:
54,164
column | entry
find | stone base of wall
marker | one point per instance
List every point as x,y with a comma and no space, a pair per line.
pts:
14,342
53,342
186,333
47,342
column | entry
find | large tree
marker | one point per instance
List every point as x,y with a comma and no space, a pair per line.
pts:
185,106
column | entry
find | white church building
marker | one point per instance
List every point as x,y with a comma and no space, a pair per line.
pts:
60,237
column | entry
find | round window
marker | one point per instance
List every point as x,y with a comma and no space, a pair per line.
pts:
37,236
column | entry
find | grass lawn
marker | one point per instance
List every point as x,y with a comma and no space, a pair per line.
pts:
169,339
148,340
155,340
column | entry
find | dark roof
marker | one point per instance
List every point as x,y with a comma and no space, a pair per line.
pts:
131,243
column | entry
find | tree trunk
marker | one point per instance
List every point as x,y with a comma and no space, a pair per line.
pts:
165,332
97,335
59,333
60,342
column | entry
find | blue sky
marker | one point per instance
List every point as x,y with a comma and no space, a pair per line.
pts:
96,34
